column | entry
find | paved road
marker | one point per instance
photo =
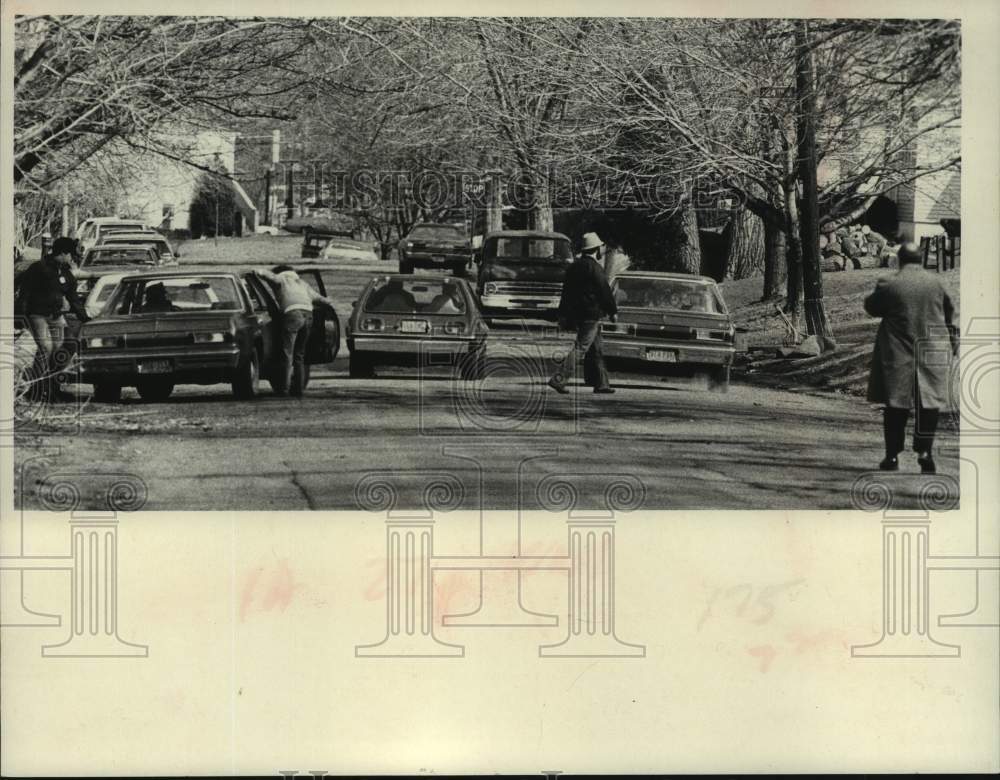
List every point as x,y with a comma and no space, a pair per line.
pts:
406,439
409,438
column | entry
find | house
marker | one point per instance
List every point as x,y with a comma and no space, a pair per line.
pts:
163,189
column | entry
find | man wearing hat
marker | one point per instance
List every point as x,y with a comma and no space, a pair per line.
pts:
42,288
909,370
586,299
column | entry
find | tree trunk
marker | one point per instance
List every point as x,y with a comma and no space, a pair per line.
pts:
540,213
793,261
745,256
494,203
684,252
812,275
775,264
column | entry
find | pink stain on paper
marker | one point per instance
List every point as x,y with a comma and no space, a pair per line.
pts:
266,590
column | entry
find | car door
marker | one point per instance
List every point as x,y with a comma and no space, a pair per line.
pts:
324,338
265,307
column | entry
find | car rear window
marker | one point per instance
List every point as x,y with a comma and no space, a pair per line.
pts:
437,233
176,294
526,248
415,296
119,257
668,294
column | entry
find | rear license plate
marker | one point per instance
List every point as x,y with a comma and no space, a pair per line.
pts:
661,355
438,258
155,367
413,326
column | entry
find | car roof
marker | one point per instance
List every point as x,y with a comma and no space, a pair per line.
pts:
134,232
428,277
525,234
119,247
109,220
665,275
451,225
184,274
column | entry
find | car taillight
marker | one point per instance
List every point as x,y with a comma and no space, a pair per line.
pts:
618,327
454,328
372,323
712,335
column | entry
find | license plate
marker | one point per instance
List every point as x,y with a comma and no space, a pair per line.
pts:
438,258
661,355
413,326
155,367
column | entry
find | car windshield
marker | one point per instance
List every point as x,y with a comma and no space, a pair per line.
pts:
675,294
528,249
175,294
437,233
120,257
415,296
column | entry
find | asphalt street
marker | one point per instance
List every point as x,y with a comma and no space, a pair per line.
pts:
423,438
504,442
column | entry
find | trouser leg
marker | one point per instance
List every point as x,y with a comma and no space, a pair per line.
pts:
288,334
299,358
894,429
586,333
43,333
596,356
924,427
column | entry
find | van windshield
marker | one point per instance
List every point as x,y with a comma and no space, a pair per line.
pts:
528,249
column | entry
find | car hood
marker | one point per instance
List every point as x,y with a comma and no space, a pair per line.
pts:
174,322
523,271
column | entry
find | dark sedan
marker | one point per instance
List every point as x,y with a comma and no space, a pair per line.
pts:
162,329
677,322
399,318
433,245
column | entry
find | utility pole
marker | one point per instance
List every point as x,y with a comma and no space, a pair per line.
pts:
812,274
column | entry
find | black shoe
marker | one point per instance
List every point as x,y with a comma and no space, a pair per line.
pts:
558,386
927,465
604,389
889,464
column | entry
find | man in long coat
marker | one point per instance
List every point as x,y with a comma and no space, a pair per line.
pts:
911,368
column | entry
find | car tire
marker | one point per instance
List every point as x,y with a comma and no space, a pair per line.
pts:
405,266
107,392
360,366
154,390
246,381
718,379
473,364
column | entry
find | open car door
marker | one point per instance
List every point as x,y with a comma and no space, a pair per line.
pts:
324,338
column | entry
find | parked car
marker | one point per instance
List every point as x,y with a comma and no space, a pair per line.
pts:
164,328
521,273
435,245
400,317
168,254
673,321
90,231
332,221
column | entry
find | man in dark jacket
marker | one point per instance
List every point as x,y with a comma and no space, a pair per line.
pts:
586,299
42,288
908,371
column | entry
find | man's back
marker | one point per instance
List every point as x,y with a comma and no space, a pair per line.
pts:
586,293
